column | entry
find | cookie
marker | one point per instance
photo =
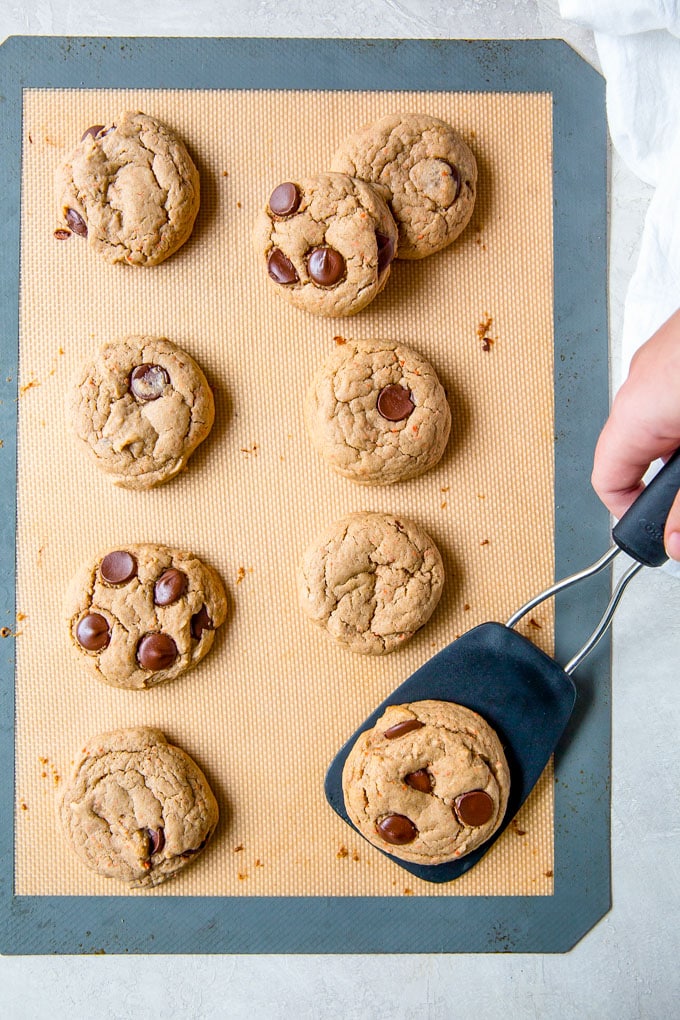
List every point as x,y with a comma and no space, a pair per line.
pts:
131,189
136,808
371,580
426,172
326,243
428,784
144,614
377,413
140,409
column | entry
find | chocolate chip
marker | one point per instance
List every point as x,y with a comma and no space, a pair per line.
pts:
386,249
400,728
200,621
156,651
395,403
118,567
455,174
284,200
326,266
419,780
76,222
474,808
93,632
396,829
156,841
147,382
169,587
280,268
94,131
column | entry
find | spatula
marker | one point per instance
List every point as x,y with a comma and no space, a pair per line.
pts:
522,693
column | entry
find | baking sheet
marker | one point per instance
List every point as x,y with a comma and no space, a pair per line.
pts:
264,716
211,300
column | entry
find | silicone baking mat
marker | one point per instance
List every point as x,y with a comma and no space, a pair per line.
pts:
266,711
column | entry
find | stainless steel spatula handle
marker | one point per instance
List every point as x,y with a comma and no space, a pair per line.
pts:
640,534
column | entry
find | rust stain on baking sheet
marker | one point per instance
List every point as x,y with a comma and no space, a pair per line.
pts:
48,765
6,632
55,363
483,333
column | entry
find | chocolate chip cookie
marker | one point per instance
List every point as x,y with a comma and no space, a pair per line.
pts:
425,170
131,189
377,413
371,580
143,614
140,409
326,243
136,808
428,784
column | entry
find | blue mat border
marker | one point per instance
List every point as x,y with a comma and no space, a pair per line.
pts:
42,925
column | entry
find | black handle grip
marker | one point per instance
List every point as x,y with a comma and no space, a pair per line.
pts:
640,531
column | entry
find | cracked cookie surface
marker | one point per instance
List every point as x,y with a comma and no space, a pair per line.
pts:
425,170
130,188
371,580
143,614
377,413
140,409
137,808
428,784
326,243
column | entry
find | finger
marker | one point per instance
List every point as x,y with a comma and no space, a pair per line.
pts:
619,464
672,531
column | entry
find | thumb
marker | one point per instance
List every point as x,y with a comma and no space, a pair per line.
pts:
672,530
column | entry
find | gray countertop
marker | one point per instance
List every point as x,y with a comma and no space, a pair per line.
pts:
626,966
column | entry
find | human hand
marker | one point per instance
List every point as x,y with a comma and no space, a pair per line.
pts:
644,424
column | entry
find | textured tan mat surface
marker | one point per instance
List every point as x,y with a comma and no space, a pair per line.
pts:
267,710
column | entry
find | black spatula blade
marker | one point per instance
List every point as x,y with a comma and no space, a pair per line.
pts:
520,691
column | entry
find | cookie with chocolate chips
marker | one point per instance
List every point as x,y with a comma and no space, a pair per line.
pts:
139,409
326,243
136,808
424,169
144,614
428,784
371,580
377,413
131,189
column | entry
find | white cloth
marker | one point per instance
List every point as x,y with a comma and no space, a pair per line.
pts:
638,42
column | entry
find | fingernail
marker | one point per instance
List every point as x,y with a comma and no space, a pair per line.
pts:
673,545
